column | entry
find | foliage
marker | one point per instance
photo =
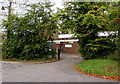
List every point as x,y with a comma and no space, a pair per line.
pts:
1,37
105,67
0,51
112,16
86,20
27,36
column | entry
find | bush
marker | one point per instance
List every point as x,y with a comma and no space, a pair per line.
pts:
85,20
98,48
114,55
27,36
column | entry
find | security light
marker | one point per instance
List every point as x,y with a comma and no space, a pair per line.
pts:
3,8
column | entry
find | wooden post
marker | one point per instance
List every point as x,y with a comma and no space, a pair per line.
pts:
58,54
59,50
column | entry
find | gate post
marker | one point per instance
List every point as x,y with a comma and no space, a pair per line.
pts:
58,54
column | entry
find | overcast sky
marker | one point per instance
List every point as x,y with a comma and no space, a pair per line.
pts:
20,9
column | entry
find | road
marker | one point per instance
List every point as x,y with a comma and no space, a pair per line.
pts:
60,71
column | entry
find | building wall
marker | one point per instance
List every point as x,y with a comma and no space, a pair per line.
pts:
55,35
72,50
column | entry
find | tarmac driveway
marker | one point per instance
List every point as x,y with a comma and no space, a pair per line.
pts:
60,71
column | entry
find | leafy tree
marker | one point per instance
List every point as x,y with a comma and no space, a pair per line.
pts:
28,35
112,26
86,20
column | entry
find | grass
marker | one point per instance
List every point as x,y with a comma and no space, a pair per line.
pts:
105,67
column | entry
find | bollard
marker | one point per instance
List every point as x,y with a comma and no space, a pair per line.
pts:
58,54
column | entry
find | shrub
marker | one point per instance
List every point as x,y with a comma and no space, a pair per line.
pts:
27,36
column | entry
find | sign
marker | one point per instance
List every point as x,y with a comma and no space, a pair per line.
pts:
68,45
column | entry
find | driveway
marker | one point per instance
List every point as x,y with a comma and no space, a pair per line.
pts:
60,71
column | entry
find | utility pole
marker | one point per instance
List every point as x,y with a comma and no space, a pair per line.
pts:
10,8
9,14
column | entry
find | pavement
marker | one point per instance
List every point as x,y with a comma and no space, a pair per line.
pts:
60,71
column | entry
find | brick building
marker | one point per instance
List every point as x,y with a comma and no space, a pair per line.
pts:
66,43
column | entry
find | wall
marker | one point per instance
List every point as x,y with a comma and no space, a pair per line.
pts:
72,50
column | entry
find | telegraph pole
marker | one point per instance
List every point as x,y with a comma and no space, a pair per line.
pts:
8,16
10,8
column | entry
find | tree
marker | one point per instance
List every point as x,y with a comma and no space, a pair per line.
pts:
112,17
29,34
86,20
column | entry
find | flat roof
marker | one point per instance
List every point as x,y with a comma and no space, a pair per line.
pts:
66,35
69,40
106,33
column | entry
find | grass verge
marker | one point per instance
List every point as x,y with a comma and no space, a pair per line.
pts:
105,67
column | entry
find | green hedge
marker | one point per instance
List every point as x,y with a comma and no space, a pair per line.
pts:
98,48
27,36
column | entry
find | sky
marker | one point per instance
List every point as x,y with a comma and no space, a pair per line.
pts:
18,8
